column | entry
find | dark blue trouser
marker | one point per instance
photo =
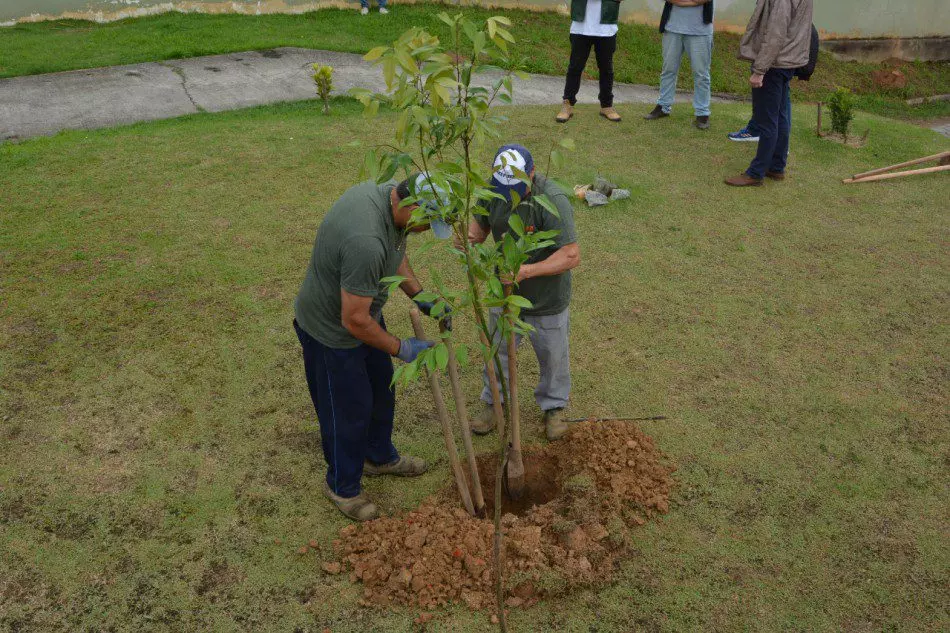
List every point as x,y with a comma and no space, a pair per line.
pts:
355,402
772,121
750,127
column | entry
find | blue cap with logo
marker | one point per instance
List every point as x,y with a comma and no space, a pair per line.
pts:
511,162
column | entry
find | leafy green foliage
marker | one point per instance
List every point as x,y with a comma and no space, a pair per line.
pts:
841,105
323,78
444,118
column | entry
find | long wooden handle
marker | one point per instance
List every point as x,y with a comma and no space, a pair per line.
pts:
462,412
444,421
917,161
494,388
900,174
513,383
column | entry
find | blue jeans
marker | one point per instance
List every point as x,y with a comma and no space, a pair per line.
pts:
699,49
365,3
355,402
772,121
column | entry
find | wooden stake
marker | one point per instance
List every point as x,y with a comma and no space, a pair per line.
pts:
819,119
466,428
917,161
444,421
900,174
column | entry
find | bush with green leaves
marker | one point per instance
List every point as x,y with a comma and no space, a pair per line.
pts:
841,106
443,93
323,78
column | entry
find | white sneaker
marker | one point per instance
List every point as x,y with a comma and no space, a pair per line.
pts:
364,11
383,10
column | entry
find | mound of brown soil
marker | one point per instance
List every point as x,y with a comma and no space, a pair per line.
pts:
569,528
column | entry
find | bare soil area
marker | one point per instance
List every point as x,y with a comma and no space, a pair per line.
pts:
571,527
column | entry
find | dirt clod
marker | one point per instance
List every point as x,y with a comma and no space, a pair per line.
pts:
437,554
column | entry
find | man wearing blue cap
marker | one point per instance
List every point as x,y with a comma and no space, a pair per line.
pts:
545,280
346,348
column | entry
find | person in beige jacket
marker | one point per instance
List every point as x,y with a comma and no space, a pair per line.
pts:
776,41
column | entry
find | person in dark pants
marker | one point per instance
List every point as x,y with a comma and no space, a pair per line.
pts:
777,42
346,348
593,25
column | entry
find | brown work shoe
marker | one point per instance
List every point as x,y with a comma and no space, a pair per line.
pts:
555,424
775,175
358,508
743,180
610,114
567,111
485,422
405,466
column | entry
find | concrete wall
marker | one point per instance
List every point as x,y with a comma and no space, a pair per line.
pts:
836,19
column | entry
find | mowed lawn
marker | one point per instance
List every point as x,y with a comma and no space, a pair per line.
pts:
160,459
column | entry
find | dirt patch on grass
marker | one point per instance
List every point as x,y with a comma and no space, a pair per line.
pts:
569,529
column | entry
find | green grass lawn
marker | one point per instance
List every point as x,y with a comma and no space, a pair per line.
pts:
160,456
69,44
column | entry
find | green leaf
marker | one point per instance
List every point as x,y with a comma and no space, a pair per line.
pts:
495,287
461,354
516,224
445,18
441,355
567,143
545,202
375,53
519,301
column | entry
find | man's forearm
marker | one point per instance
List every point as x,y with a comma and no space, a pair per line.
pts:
411,285
561,261
367,330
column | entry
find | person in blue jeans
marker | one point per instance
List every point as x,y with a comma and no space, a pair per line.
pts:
777,42
687,27
364,7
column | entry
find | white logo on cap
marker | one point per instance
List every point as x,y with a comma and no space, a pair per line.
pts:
503,167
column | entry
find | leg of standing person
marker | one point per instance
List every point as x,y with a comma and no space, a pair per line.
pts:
379,441
550,341
342,395
580,51
364,7
700,49
673,46
604,49
382,7
768,104
780,156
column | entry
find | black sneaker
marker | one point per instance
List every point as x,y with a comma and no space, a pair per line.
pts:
656,113
702,122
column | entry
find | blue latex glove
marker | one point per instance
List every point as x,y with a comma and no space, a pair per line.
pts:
426,307
409,348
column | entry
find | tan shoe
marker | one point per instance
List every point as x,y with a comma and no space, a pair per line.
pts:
358,508
743,180
610,114
405,466
555,424
567,111
485,422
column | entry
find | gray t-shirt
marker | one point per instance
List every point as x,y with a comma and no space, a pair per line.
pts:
357,245
688,21
552,294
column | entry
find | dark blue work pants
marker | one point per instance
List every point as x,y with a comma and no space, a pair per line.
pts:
772,121
355,402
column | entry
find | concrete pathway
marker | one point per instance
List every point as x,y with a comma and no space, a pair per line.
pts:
87,99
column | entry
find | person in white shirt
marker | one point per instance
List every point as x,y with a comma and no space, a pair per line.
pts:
593,25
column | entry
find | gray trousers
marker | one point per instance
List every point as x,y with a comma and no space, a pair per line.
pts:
550,343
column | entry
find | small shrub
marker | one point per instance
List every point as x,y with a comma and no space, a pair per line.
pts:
323,78
841,105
